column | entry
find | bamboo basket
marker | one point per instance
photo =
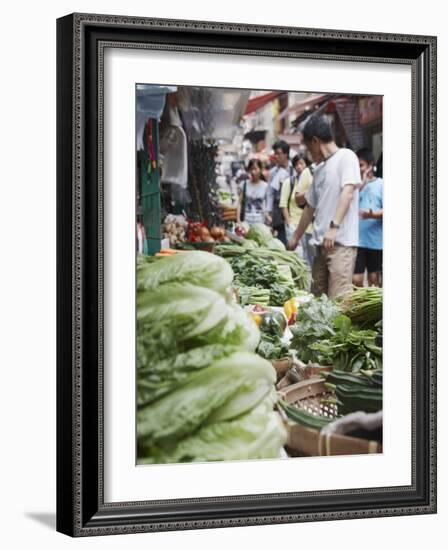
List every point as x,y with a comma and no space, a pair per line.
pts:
302,441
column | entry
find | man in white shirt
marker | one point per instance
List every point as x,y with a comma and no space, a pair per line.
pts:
277,176
332,205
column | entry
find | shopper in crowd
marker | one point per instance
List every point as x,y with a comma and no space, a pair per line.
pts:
332,201
370,251
253,195
241,174
277,176
292,202
267,167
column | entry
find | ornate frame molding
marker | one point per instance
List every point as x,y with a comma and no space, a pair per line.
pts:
78,515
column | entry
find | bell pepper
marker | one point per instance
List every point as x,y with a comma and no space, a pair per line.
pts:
290,308
257,318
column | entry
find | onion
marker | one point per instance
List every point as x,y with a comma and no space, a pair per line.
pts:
204,233
216,232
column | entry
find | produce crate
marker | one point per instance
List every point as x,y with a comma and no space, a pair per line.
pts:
303,441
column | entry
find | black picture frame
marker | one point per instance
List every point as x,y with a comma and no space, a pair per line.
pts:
81,39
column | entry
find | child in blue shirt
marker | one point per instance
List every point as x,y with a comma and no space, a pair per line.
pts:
370,250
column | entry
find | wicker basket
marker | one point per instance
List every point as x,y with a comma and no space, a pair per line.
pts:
302,441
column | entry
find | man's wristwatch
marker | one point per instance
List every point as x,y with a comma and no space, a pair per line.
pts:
334,225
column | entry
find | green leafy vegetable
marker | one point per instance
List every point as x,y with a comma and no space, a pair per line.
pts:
265,274
202,392
253,295
275,244
349,348
247,243
258,434
364,306
228,388
201,269
260,233
159,378
314,323
299,268
271,347
173,317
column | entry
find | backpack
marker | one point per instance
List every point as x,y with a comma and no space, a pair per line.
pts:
277,214
292,184
243,202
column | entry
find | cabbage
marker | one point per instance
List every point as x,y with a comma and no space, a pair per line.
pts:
275,244
258,434
183,329
247,243
171,317
260,233
194,267
202,392
188,361
239,330
189,317
234,384
160,377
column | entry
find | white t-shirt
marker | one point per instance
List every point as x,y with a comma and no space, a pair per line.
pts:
255,202
330,176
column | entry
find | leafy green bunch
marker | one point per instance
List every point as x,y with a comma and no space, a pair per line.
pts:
314,323
202,392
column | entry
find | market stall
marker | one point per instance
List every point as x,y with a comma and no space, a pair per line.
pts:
213,358
236,359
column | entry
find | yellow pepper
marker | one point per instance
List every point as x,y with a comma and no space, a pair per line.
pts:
290,307
257,318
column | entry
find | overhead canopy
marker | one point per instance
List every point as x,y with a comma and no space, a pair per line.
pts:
260,101
298,108
211,113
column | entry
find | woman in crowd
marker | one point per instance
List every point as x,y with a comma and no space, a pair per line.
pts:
292,202
253,195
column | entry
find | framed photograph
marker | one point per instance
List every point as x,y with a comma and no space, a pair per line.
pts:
246,274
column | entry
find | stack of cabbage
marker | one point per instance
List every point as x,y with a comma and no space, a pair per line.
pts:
202,392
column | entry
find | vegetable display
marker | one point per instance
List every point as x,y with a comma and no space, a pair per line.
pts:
303,417
299,268
314,322
275,244
196,268
254,272
362,392
260,233
174,228
282,273
323,335
248,295
271,347
349,348
364,306
202,392
272,328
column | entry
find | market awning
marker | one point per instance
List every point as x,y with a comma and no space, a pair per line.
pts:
260,101
298,108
